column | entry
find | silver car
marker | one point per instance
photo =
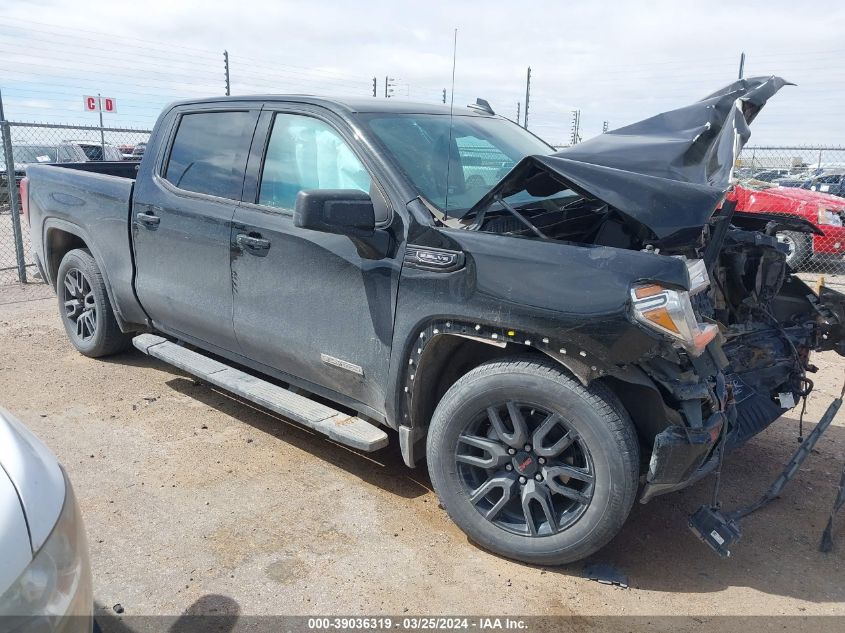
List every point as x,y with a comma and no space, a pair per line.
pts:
45,577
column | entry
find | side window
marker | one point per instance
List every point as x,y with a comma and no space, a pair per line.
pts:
209,153
305,153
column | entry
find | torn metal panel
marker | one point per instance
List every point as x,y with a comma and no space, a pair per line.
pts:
668,172
680,456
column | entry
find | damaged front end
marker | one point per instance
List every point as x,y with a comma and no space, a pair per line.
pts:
769,322
735,343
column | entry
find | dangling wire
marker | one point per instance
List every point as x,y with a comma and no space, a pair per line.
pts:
806,383
801,419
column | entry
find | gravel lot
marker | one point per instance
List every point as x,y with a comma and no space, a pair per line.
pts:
188,492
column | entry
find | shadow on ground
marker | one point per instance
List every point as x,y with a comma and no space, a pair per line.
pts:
384,469
210,613
778,552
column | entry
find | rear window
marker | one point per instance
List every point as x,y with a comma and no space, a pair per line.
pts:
209,153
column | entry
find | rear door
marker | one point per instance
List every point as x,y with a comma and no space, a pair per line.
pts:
182,220
313,305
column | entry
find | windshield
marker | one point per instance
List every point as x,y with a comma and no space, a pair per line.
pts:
93,152
482,151
36,154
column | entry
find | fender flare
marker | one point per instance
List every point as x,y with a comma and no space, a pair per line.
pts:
582,364
81,233
586,366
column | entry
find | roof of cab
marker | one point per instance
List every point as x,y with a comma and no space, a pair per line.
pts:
346,105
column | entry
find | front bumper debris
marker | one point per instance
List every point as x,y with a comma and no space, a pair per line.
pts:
681,456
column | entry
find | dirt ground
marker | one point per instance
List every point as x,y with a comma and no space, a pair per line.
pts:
188,492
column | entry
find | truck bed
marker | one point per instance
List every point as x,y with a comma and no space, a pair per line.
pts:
120,168
92,202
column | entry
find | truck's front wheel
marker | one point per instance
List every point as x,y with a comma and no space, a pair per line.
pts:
799,248
85,307
532,465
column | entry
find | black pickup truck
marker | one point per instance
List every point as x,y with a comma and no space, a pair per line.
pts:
549,331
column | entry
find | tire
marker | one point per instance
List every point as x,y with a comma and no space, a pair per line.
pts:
85,308
800,248
600,441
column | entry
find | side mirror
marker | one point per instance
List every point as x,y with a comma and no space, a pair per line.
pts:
343,211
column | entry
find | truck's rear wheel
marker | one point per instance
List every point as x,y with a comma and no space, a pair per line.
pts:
532,465
85,307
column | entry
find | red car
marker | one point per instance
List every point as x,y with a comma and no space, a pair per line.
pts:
822,210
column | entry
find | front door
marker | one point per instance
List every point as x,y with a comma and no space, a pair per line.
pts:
310,304
181,226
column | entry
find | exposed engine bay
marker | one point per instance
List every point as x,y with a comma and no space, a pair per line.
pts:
770,321
569,218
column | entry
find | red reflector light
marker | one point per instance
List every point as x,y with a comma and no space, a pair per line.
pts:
24,199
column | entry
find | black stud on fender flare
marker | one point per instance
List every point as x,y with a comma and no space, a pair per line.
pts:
85,307
530,463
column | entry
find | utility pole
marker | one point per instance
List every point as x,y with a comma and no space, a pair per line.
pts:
527,95
226,68
444,95
742,65
517,112
576,127
375,86
388,87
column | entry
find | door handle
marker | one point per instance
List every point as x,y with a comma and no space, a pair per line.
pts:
149,219
252,242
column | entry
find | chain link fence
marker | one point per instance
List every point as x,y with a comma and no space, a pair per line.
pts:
801,182
797,182
36,143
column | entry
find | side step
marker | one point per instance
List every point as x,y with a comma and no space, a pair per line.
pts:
340,427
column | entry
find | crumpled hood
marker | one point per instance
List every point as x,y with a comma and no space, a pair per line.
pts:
668,172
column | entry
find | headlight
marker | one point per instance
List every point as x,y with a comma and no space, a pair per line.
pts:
670,312
57,583
828,217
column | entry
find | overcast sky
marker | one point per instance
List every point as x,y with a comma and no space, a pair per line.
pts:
617,61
